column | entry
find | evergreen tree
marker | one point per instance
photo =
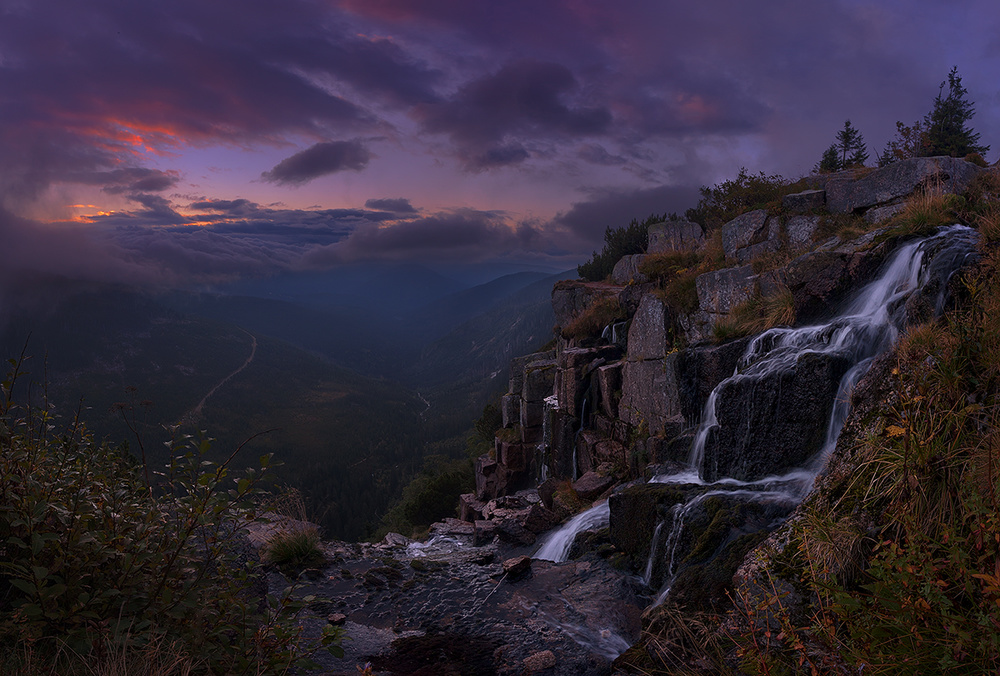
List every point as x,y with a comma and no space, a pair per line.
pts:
851,146
947,131
830,160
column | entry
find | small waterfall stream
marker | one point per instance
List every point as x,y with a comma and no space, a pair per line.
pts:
868,326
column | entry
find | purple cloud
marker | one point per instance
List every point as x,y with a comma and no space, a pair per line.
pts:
319,160
523,100
397,205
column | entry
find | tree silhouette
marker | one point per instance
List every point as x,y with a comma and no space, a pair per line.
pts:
946,125
847,152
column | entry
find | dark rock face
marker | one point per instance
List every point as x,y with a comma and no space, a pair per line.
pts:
627,270
744,230
717,534
636,510
651,334
883,185
774,422
800,230
722,290
672,236
804,201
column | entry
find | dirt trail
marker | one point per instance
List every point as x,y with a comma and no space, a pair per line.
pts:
195,412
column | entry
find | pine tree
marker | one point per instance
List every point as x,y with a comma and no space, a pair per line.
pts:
946,128
851,145
830,161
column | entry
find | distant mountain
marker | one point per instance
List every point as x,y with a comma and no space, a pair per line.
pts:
388,289
440,317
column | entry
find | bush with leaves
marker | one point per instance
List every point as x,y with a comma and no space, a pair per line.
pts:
95,561
618,242
727,200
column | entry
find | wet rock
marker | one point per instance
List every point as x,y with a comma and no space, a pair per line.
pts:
718,532
636,510
540,661
899,179
771,423
671,236
516,567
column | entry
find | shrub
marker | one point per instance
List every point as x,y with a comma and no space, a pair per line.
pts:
727,200
618,242
293,550
97,562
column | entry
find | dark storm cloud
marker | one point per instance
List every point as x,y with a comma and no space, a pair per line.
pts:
132,179
156,208
319,160
587,220
397,205
524,99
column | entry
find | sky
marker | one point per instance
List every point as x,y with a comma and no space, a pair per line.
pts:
180,142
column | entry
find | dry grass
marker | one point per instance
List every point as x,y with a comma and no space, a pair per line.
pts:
757,315
593,320
927,209
157,658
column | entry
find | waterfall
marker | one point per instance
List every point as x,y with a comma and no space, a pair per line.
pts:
557,545
868,326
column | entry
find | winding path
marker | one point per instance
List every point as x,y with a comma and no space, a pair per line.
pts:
195,412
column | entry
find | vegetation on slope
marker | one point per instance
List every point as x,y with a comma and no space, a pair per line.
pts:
100,565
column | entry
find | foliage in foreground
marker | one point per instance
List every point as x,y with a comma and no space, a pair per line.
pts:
98,565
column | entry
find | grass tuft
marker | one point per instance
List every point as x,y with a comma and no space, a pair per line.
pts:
757,315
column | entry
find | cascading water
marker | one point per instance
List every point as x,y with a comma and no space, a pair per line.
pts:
557,545
867,327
